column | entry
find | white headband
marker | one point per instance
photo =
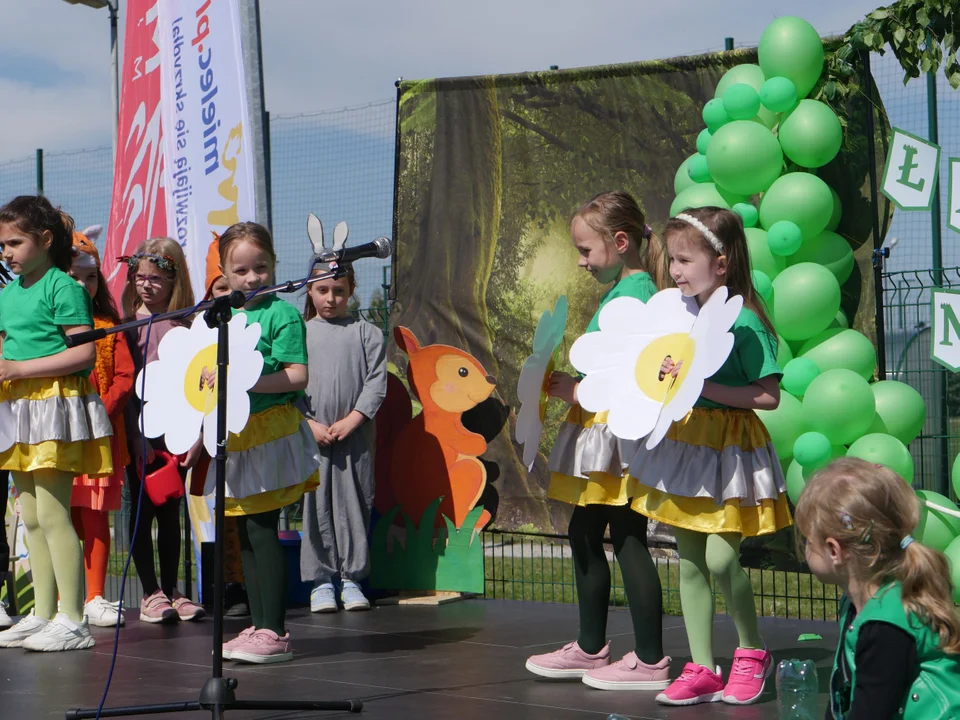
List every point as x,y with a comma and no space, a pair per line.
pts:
707,232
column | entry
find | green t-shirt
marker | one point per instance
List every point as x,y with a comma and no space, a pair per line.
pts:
283,339
639,285
754,356
32,319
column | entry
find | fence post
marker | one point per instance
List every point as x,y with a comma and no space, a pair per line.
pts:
728,44
39,171
870,92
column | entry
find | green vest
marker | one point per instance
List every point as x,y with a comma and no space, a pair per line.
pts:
934,693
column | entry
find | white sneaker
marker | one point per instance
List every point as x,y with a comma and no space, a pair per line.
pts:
61,633
323,599
101,613
5,620
353,597
28,625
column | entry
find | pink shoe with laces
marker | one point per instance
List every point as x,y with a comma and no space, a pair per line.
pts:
238,641
695,685
629,673
567,663
748,675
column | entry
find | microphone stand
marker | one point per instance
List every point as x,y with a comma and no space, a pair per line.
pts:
217,694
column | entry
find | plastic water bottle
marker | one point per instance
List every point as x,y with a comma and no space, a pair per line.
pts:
797,690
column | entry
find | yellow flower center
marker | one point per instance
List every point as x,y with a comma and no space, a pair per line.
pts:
680,347
201,398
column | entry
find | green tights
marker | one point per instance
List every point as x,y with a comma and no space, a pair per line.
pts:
56,559
702,555
264,569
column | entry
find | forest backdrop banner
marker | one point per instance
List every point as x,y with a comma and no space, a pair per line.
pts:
490,170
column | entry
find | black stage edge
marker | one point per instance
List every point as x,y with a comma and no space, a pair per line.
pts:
463,660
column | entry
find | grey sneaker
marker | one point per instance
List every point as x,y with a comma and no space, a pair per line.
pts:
323,599
353,597
61,633
28,625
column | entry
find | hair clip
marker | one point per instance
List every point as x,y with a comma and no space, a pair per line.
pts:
164,262
865,535
646,232
846,520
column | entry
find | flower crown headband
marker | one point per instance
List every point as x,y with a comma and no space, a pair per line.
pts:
164,262
704,230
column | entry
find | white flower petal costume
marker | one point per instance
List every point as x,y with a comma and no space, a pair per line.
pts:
531,387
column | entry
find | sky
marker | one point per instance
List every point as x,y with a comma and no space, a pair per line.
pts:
322,56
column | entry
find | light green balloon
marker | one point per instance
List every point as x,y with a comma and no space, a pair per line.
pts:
761,258
955,476
762,284
901,412
741,102
811,135
748,213
714,115
798,374
885,450
806,299
704,195
800,197
778,94
812,449
842,348
839,404
797,476
827,249
791,48
752,75
703,140
682,180
784,238
785,424
953,557
784,353
744,157
840,321
936,529
699,172
837,213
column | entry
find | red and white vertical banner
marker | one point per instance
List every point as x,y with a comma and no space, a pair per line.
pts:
138,207
208,171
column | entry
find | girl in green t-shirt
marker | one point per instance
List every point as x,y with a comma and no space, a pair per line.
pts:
53,424
899,650
588,467
715,476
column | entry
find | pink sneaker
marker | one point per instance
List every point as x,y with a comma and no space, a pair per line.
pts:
747,676
156,608
231,645
186,608
695,685
263,647
567,663
630,674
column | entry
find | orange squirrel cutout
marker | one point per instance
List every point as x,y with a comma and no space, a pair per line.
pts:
434,455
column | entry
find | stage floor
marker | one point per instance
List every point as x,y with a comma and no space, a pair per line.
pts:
463,660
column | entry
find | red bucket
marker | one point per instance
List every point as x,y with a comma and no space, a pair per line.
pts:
164,483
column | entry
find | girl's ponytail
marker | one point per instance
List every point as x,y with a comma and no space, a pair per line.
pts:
924,575
657,261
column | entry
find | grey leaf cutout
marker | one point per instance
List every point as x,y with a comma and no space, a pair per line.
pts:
340,233
315,233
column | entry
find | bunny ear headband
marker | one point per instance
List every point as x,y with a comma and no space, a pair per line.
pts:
315,233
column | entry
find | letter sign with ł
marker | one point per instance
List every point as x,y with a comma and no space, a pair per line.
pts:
910,176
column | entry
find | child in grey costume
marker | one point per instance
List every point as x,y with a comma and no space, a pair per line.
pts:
347,384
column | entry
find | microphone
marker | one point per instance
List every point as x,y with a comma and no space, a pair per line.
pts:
379,248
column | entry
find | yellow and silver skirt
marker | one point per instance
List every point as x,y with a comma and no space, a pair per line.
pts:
588,464
716,471
270,463
55,424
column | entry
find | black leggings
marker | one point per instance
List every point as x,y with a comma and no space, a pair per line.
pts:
264,569
628,531
168,538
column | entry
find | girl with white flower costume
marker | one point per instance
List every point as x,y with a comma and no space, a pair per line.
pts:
589,470
715,476
274,460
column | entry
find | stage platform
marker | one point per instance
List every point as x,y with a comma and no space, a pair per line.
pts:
462,661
